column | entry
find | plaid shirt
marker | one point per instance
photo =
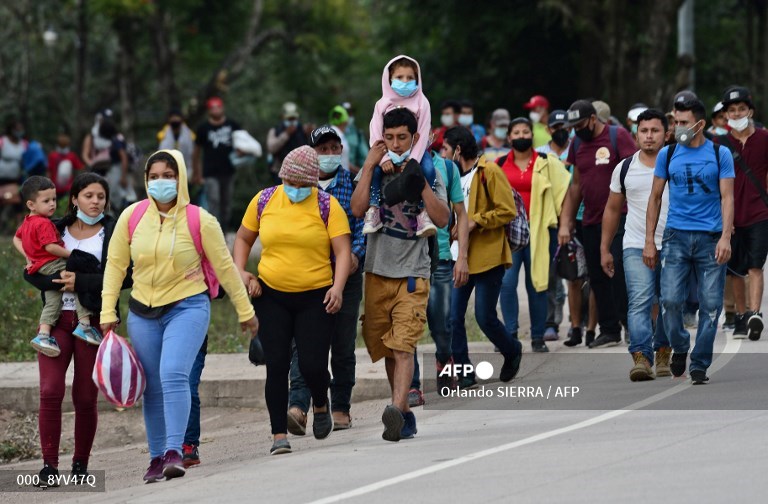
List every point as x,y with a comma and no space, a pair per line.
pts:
342,188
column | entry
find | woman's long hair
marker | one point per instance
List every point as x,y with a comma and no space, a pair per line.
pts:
82,181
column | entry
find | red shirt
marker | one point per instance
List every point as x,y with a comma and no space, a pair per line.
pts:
520,180
439,136
749,207
36,232
595,161
63,183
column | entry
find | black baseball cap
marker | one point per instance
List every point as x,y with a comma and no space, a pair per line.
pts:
557,117
684,97
580,110
321,134
737,94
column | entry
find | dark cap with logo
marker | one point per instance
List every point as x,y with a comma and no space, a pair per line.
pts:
580,110
737,94
323,133
557,117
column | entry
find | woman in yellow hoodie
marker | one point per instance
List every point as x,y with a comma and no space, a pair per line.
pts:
169,304
542,181
490,207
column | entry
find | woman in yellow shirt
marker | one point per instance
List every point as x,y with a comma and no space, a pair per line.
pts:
169,304
296,292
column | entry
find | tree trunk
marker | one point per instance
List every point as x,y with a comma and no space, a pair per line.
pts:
126,64
663,15
81,46
165,58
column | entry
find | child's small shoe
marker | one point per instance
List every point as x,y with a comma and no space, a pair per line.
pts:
424,225
46,345
372,221
89,334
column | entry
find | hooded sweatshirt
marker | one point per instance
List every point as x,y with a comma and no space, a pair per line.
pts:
418,104
166,266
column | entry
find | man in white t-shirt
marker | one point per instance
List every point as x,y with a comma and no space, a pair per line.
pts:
631,182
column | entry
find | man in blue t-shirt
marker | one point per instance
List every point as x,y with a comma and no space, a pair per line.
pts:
698,234
445,277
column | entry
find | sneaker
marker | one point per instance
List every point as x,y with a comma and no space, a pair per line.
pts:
551,334
372,221
663,355
189,455
641,371
297,421
755,326
393,422
342,420
89,334
155,471
678,364
574,337
511,365
467,381
280,446
46,345
173,466
424,225
80,470
740,326
415,398
590,338
322,423
699,377
730,321
409,426
539,346
48,476
606,340
689,320
444,383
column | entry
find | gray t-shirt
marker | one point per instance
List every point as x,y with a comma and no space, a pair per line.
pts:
395,251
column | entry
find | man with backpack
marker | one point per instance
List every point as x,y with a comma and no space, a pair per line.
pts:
697,237
595,151
749,147
631,184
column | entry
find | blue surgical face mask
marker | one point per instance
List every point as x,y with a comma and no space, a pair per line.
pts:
500,133
720,131
404,89
398,159
88,219
292,122
329,163
163,190
634,129
297,194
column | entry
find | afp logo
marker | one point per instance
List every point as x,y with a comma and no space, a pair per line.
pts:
483,370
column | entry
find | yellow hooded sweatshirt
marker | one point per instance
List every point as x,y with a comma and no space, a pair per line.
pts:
549,184
166,265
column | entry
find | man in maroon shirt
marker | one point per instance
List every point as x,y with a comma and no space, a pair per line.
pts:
750,239
595,152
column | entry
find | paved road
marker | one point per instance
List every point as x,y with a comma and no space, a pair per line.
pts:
618,441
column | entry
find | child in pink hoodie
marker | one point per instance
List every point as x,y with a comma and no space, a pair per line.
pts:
401,86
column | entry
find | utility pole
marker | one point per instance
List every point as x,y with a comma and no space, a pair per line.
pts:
686,54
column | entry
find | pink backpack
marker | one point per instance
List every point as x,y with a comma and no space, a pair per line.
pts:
117,373
193,221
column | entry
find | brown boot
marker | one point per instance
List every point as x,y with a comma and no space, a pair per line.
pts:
641,371
663,356
297,421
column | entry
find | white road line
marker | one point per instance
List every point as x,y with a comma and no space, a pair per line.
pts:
731,348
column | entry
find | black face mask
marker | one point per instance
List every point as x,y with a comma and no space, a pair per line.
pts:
560,137
522,144
585,133
175,124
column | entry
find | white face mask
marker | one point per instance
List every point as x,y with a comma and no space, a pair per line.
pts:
466,119
447,120
739,124
535,117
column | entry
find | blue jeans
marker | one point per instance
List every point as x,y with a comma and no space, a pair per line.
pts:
438,316
192,436
427,168
342,353
681,253
643,288
487,286
510,305
167,348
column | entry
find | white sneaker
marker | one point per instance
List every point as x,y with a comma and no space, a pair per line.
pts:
424,225
372,221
